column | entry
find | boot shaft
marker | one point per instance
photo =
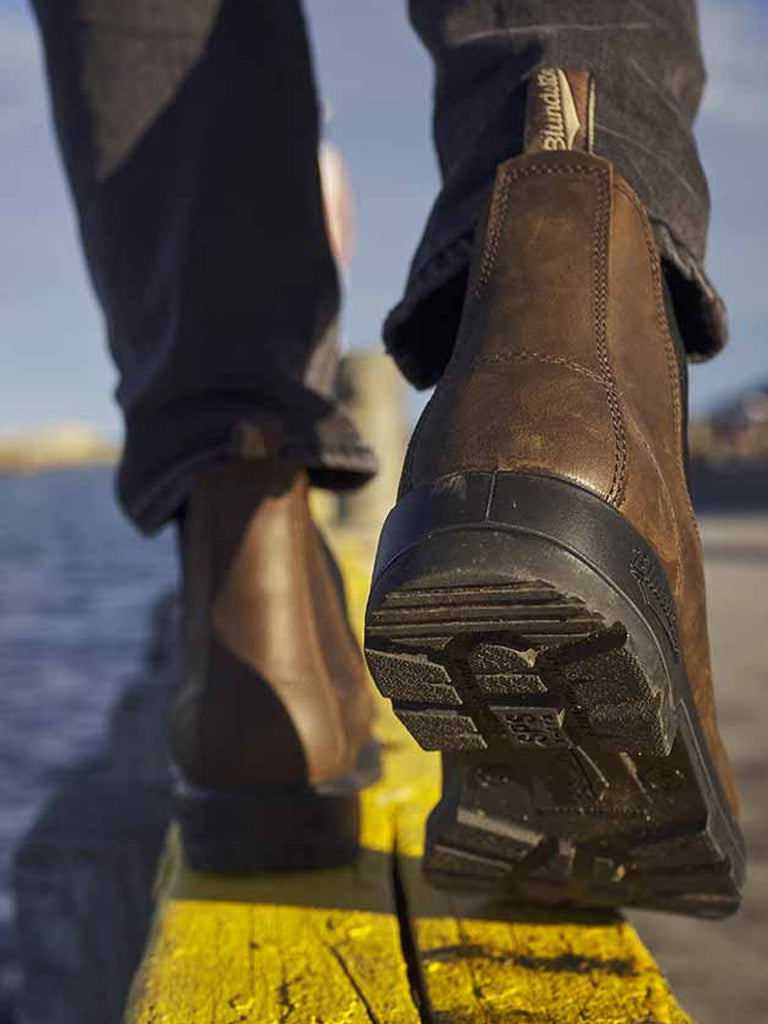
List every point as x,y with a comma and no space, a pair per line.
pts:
272,690
563,343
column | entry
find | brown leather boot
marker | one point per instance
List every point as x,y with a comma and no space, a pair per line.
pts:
271,728
537,609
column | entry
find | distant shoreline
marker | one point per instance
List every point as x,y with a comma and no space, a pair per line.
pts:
63,446
24,467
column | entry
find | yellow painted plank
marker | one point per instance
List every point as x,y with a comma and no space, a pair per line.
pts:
488,963
318,947
326,947
261,963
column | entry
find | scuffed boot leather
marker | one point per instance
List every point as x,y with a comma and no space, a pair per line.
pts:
541,573
271,725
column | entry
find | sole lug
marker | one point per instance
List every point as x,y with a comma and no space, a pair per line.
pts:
437,729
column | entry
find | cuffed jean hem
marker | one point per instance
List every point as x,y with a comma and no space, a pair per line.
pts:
332,453
420,331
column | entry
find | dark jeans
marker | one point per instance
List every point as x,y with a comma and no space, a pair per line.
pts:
189,130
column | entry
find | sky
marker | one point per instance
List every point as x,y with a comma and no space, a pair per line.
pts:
374,74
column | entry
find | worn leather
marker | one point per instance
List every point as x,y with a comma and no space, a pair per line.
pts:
565,366
273,690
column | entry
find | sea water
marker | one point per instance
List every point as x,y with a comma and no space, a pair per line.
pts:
77,584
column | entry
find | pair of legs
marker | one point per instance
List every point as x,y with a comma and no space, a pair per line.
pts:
190,136
190,133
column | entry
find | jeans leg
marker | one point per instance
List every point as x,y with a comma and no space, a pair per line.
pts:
189,131
646,58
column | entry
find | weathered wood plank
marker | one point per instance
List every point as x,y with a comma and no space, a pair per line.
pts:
312,947
487,963
264,963
533,967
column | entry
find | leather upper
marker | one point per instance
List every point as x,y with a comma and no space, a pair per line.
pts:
565,366
273,690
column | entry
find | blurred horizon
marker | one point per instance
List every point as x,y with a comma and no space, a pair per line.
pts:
376,78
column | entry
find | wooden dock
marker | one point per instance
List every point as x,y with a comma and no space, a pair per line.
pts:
372,943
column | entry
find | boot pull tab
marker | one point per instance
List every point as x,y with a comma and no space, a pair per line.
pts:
560,111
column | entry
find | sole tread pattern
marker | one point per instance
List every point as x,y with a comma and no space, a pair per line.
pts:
566,776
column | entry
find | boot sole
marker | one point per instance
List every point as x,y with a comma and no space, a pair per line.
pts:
292,828
521,625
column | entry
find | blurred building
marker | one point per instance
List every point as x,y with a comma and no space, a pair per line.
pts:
736,431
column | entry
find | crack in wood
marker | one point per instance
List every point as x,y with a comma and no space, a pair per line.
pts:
356,988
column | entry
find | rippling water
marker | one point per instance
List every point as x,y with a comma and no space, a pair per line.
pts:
76,584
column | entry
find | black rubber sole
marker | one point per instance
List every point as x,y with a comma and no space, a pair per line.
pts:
521,625
296,828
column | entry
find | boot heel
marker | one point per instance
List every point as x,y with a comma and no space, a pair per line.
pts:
523,627
295,828
241,833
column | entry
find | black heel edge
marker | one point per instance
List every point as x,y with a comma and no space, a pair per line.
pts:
292,828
